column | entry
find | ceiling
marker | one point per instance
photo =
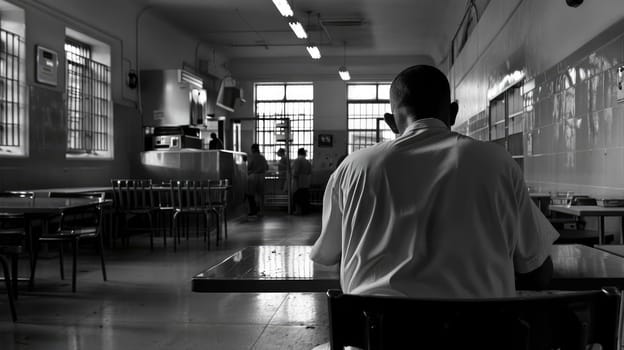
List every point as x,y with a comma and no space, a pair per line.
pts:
254,28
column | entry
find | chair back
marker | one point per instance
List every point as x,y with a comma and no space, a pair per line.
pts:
190,195
83,217
561,320
132,194
218,191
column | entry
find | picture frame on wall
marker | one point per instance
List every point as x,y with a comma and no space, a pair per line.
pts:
325,140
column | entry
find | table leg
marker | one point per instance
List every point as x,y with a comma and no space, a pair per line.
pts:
601,234
621,229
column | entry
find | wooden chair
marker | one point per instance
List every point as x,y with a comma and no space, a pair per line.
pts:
556,320
191,197
132,198
74,225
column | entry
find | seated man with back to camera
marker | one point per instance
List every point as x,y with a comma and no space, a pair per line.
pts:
432,213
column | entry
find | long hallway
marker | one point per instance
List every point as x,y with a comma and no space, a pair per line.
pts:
147,301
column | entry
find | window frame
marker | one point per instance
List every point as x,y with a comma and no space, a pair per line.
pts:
267,126
377,101
88,104
13,93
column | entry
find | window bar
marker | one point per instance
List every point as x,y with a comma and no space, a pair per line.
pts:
5,83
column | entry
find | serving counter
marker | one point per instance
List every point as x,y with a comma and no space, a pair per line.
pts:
195,164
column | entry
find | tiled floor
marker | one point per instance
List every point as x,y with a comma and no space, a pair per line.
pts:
147,302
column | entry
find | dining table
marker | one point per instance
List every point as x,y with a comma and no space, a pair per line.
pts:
592,210
43,208
288,268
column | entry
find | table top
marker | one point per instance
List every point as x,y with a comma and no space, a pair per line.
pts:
268,268
44,205
616,249
73,189
539,194
588,210
289,269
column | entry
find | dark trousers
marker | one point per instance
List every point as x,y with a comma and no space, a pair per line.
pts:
301,198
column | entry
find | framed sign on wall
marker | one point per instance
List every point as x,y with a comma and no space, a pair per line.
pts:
325,140
46,66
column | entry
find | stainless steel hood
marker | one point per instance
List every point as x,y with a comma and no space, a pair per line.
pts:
172,97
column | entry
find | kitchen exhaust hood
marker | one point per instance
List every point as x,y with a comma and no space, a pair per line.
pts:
172,97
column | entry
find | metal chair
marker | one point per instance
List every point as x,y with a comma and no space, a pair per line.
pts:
555,320
11,242
218,192
17,231
131,198
76,224
191,197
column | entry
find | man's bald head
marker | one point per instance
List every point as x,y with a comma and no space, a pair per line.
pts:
422,92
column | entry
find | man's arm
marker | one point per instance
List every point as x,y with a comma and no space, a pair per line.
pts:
538,279
327,249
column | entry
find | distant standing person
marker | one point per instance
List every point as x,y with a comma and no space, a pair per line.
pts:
282,170
215,142
256,168
302,177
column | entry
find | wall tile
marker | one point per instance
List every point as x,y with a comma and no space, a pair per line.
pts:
582,133
614,171
544,112
581,97
596,95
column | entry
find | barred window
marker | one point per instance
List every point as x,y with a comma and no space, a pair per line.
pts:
12,107
366,105
88,102
276,102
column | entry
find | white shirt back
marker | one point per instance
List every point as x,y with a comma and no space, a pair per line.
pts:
431,214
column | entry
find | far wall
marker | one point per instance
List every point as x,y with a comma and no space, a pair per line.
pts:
330,95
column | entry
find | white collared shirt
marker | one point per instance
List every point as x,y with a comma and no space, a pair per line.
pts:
431,214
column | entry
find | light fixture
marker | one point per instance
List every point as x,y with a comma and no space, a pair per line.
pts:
283,7
343,71
314,51
297,28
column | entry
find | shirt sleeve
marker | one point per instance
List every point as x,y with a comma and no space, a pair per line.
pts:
535,234
327,248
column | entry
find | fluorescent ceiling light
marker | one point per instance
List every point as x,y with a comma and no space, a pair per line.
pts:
314,52
344,73
283,7
298,29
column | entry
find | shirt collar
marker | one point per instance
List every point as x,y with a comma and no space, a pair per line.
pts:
425,123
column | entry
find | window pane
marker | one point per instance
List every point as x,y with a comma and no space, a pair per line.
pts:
383,92
362,92
269,92
299,92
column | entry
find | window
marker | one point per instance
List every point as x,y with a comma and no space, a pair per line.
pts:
366,105
13,138
276,102
89,111
507,120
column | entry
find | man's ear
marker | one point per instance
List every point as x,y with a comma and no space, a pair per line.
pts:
389,119
453,109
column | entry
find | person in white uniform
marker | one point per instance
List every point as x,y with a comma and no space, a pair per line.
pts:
432,213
